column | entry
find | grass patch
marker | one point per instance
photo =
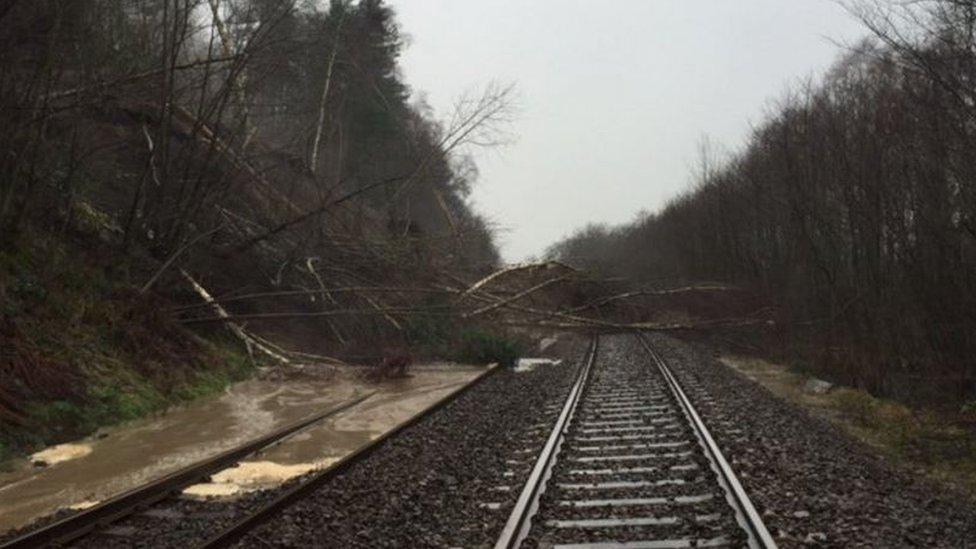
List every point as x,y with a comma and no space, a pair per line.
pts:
857,406
237,367
916,435
940,446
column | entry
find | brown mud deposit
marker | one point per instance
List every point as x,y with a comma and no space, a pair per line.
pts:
124,457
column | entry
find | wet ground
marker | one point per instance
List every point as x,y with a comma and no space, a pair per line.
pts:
87,471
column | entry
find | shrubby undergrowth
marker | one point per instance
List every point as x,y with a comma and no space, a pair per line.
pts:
81,348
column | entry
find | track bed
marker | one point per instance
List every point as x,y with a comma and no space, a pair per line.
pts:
631,468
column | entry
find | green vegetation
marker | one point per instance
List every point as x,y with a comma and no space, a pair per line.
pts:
433,335
919,436
482,347
969,409
941,445
82,351
290,156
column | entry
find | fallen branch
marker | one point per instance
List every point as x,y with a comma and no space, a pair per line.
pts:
544,313
577,325
511,269
383,311
249,341
169,261
312,213
294,293
320,358
314,314
298,354
641,326
654,293
515,297
310,265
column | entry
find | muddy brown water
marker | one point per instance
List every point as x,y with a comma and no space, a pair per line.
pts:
87,471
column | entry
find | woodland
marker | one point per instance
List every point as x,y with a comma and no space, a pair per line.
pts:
190,189
182,181
851,213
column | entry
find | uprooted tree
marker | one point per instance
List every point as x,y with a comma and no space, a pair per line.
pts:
240,146
251,168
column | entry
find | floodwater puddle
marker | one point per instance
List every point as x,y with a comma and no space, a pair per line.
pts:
80,474
328,441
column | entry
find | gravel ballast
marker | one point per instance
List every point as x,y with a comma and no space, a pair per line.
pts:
609,487
448,480
813,483
451,479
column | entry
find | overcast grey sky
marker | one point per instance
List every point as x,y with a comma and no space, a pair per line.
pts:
615,96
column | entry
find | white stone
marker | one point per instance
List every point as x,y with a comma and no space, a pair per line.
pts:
816,386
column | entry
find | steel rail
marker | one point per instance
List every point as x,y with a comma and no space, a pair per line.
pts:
239,529
75,526
746,514
520,520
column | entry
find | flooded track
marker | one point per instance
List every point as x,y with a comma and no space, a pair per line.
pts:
146,448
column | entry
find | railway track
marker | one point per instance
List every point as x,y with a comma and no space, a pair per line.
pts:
141,500
629,464
154,500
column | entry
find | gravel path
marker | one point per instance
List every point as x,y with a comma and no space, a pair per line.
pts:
814,484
